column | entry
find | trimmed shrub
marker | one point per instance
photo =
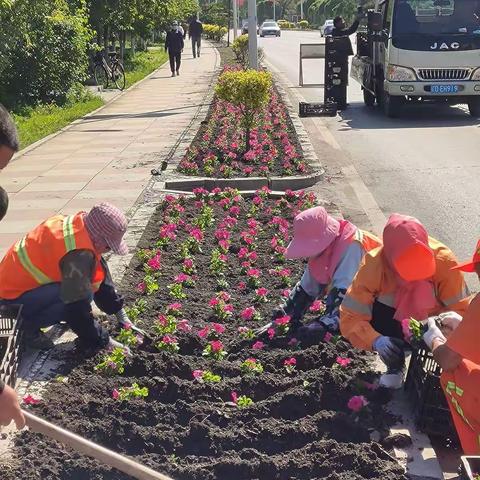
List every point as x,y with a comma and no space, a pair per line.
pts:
214,32
240,49
303,24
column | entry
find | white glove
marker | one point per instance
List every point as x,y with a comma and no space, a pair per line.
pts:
433,333
114,344
449,321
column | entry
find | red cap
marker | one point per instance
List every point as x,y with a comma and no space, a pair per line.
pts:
470,266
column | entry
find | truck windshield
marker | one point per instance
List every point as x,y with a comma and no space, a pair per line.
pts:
436,17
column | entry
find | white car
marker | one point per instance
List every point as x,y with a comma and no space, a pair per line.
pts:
270,28
326,28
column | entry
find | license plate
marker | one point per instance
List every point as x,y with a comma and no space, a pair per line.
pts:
444,89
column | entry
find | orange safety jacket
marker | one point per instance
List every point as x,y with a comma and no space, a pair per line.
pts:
375,281
35,259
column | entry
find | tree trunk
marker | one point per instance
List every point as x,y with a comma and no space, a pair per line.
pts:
106,35
123,38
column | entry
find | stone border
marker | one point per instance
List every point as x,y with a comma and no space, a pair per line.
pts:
187,183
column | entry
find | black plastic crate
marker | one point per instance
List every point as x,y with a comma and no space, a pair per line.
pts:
430,407
470,467
328,109
10,342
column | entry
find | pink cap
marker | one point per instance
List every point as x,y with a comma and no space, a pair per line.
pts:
313,231
107,223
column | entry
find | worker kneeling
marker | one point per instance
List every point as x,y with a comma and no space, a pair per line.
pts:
57,269
334,249
410,276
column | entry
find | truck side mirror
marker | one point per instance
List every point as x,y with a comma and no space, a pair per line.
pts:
375,21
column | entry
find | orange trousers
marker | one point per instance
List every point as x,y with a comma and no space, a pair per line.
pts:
462,389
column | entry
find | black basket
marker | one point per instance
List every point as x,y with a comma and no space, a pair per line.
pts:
470,466
328,109
430,407
10,342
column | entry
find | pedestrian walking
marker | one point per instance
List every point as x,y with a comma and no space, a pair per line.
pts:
174,44
411,276
195,30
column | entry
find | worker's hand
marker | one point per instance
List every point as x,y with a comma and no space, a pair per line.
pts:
10,408
114,344
330,322
449,321
433,333
390,349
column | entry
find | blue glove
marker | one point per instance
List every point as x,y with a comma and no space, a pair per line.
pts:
390,350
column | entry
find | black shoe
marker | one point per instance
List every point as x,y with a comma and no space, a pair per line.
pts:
178,73
38,340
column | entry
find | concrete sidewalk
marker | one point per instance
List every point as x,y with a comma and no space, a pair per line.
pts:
109,155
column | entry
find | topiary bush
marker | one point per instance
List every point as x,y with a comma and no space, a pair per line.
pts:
303,24
43,47
240,49
214,32
247,89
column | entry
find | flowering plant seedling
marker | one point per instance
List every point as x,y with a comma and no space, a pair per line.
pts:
136,309
167,234
185,280
357,403
205,219
176,291
250,313
343,362
221,308
112,362
222,284
253,277
165,324
188,266
214,350
251,366
317,307
144,254
241,402
206,376
412,331
261,295
127,393
246,333
218,262
290,364
174,309
128,337
153,264
282,325
168,344
151,284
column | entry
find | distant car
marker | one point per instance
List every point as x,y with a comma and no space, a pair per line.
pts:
326,28
245,27
270,28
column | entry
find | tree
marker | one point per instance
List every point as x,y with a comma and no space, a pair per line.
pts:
249,90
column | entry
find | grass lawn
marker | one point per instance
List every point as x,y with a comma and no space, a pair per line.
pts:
36,123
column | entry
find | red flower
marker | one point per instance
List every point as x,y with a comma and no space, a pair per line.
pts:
271,333
29,400
283,320
343,362
292,361
218,327
357,402
216,345
248,313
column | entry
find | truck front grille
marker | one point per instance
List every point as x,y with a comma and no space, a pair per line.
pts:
440,74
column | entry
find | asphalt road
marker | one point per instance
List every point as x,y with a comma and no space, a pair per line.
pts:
425,164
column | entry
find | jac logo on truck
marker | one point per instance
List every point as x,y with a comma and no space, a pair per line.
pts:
445,46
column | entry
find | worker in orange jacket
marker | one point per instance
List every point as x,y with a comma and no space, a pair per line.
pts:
57,270
410,276
455,348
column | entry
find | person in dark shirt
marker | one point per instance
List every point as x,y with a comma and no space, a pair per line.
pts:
174,44
339,27
195,30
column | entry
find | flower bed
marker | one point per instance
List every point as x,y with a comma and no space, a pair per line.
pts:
204,399
219,147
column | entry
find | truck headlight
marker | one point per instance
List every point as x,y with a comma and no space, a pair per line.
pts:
395,73
476,75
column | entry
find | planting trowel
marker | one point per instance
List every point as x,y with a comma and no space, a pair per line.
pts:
91,449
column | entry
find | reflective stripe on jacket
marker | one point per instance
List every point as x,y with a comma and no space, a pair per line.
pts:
34,260
375,281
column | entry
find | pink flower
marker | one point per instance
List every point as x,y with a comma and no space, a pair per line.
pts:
216,345
407,333
29,400
141,287
188,263
252,223
224,296
271,333
228,308
162,320
286,293
258,345
235,211
241,286
290,362
181,278
343,362
224,244
248,313
357,402
218,327
234,397
214,302
283,320
115,394
154,262
184,326
293,342
328,336
204,331
197,374
317,306
261,292
197,234
168,339
176,307
253,272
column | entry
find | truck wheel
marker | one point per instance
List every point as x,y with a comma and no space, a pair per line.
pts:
368,98
474,106
391,105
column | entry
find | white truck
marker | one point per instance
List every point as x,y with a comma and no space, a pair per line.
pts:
419,51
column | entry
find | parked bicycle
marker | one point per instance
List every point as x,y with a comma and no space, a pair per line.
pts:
105,72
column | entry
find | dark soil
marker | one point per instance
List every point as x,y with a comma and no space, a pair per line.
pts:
298,428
